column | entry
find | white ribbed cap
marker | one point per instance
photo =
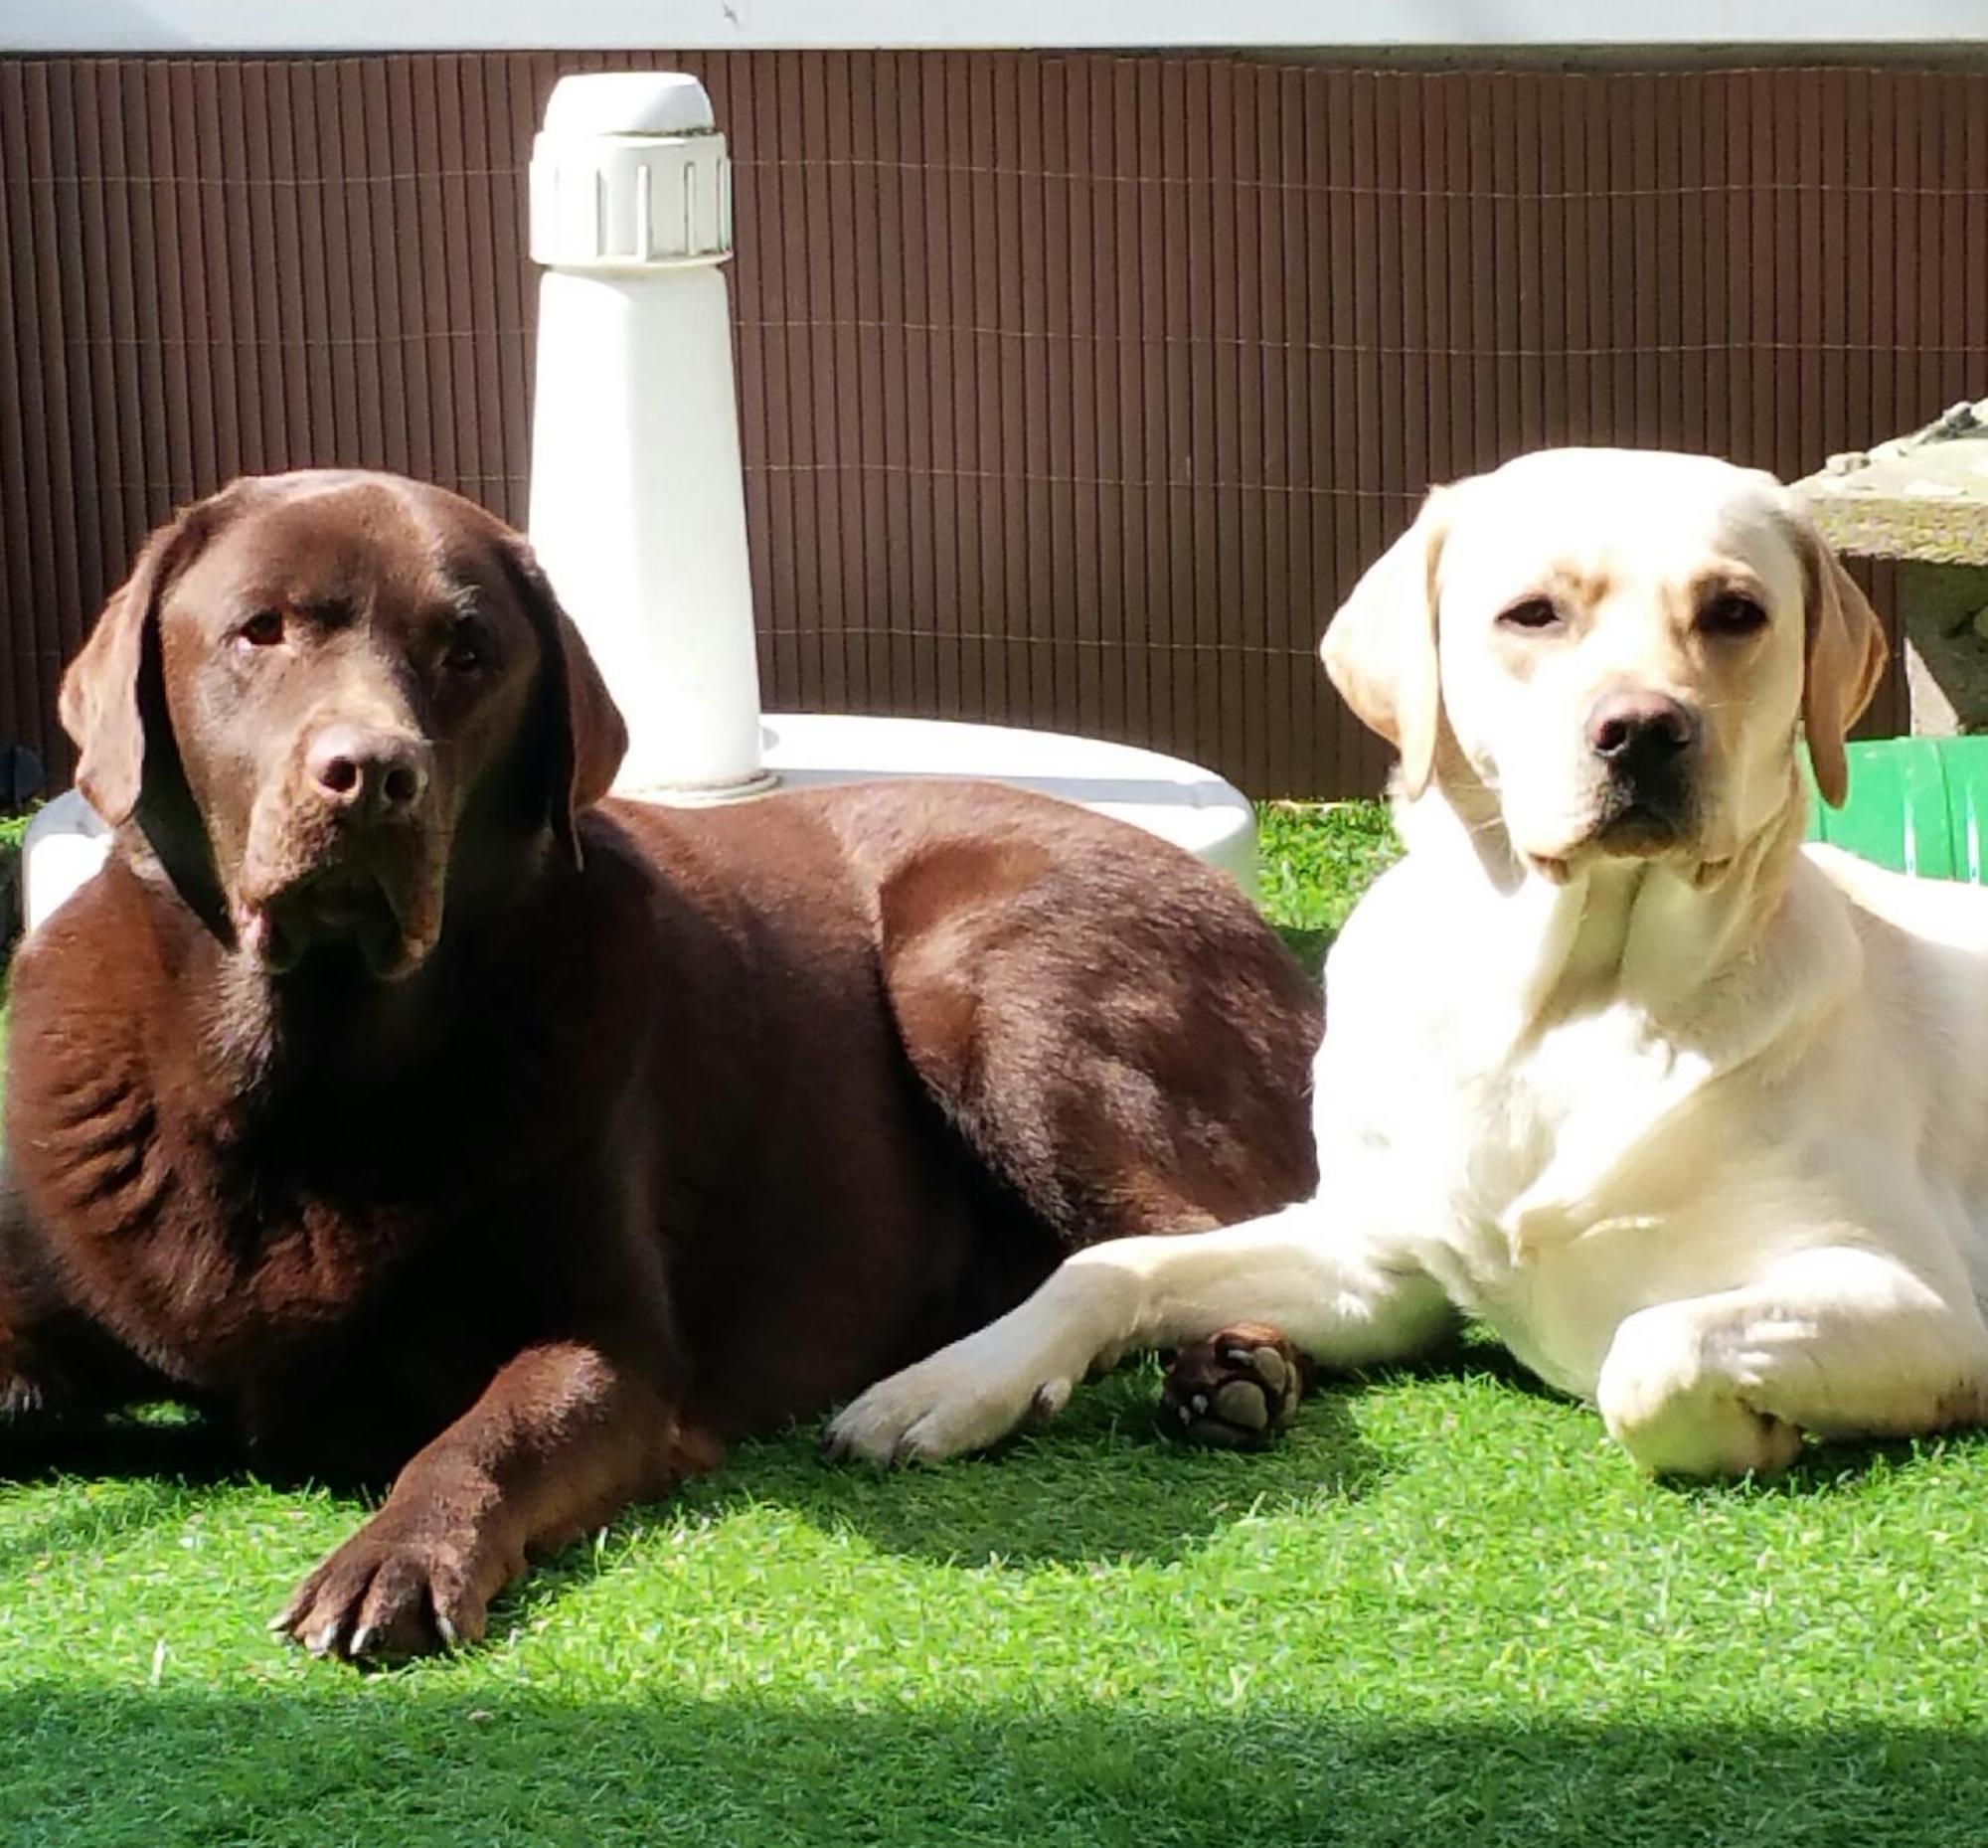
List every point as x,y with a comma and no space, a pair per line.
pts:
629,172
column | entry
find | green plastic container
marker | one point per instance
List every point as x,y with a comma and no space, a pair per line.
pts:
1917,804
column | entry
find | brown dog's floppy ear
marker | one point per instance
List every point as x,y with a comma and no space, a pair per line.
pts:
1380,649
1843,658
589,736
103,699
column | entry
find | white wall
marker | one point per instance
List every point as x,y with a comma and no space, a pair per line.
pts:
743,25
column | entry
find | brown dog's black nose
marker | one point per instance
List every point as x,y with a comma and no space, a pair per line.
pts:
373,773
1638,732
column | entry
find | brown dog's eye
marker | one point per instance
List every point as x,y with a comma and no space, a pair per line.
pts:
1530,613
464,651
265,629
1732,615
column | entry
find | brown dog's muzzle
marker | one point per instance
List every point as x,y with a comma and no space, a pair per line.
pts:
346,853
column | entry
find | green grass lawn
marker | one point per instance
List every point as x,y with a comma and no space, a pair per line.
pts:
1443,1612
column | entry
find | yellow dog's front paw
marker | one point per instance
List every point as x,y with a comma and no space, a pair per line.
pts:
963,1398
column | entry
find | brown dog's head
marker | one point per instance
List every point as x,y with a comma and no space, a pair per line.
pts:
316,692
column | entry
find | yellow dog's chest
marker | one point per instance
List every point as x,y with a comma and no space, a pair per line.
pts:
1554,1193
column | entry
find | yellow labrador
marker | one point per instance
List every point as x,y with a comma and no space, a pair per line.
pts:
1694,1117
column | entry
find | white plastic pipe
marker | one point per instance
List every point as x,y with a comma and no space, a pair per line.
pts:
637,499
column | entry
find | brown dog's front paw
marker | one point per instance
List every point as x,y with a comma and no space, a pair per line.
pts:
392,1592
1237,1389
20,1399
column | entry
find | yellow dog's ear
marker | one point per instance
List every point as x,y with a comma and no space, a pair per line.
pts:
1379,649
1843,656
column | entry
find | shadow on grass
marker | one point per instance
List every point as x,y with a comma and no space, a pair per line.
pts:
1102,1484
340,1763
1308,945
164,1445
144,1465
1823,1467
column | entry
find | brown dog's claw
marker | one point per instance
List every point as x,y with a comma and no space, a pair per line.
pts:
1237,1389
385,1596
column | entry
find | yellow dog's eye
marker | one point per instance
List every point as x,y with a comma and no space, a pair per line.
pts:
1731,613
1530,613
265,629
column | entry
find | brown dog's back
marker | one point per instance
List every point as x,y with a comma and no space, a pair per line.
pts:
1000,1027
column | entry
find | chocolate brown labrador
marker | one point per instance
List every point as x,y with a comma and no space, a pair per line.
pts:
425,1116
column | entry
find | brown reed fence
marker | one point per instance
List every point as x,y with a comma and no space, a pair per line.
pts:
1076,389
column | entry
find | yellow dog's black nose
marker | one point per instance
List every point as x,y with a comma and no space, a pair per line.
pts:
1634,731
